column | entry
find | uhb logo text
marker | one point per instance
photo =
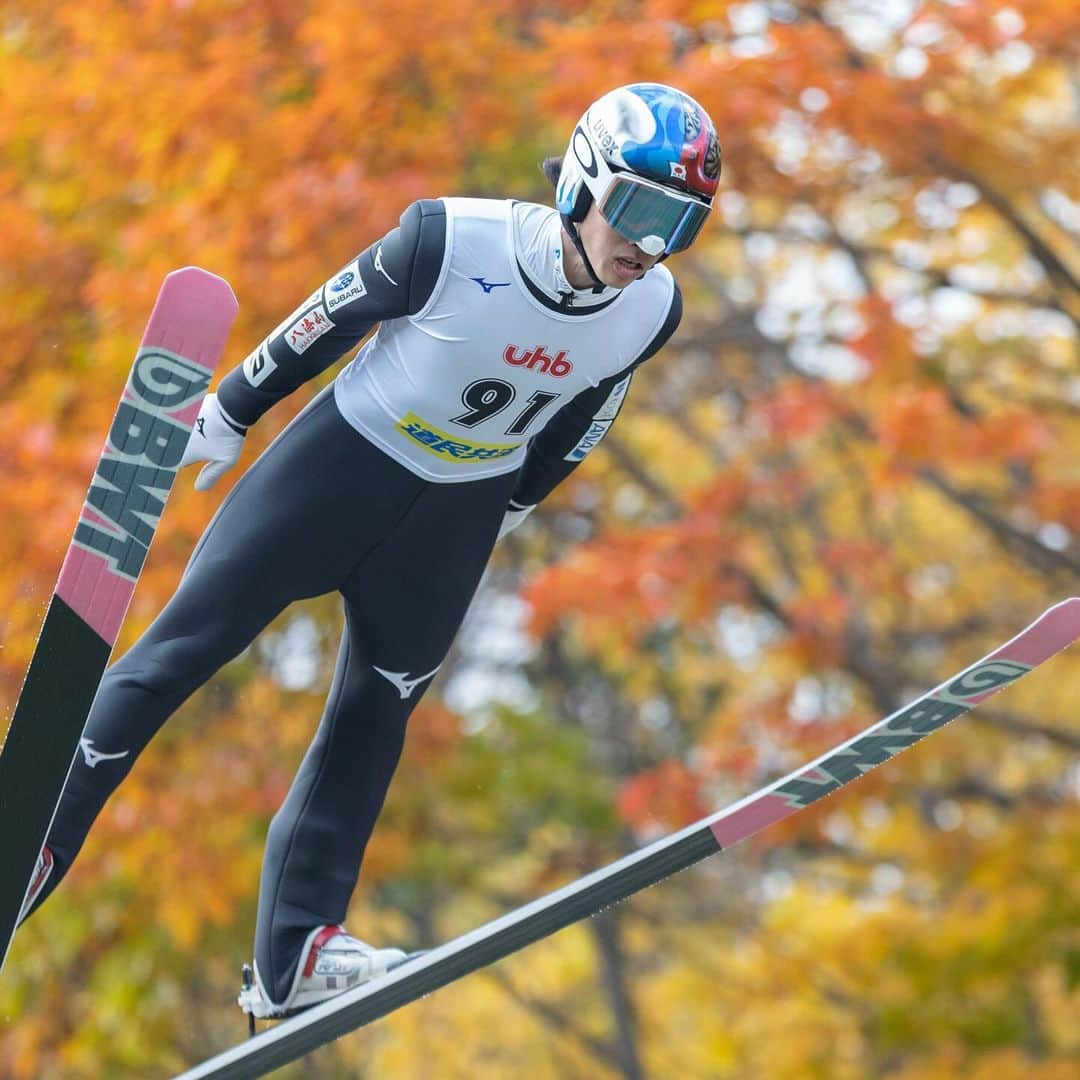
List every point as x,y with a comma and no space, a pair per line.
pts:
135,473
557,366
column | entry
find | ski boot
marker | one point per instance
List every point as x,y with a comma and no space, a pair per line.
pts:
332,963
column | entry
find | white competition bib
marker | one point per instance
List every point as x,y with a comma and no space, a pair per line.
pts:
456,391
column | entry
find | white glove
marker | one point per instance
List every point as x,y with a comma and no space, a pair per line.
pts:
215,440
512,519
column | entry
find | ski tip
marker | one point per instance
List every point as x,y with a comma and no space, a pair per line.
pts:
192,315
202,282
1064,610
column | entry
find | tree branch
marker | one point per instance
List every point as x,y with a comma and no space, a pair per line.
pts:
625,458
556,1020
1011,538
1016,725
606,930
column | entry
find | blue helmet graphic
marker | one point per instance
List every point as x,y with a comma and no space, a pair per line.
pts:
649,130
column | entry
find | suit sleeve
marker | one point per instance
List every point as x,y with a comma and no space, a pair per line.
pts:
395,276
581,424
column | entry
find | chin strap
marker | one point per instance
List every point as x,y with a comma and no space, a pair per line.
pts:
572,231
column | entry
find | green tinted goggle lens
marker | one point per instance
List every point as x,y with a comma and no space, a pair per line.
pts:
649,217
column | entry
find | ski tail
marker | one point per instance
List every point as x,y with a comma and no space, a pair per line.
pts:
180,349
1054,630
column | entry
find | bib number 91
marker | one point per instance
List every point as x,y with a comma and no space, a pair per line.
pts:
486,398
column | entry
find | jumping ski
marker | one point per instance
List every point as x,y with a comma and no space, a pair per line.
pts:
1054,630
181,346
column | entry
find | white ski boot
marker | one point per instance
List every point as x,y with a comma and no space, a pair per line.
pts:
43,869
332,963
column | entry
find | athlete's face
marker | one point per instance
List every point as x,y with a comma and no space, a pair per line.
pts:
616,260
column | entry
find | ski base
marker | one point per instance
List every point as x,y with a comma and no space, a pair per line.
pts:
183,341
419,975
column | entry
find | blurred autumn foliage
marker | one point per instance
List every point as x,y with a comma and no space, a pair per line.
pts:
853,471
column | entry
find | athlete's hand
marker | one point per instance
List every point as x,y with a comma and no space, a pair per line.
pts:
214,440
513,517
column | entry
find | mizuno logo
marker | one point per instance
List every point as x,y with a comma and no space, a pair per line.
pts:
94,756
400,679
487,286
379,265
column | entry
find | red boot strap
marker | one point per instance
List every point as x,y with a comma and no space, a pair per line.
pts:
321,938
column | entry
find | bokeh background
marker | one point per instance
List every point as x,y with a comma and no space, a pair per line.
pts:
854,471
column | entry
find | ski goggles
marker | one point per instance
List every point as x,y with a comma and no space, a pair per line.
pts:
657,219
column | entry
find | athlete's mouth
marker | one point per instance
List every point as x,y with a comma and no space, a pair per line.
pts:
627,265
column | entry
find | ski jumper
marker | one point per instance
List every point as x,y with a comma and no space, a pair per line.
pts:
488,381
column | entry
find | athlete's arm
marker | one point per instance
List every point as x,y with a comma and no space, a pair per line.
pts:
576,430
395,276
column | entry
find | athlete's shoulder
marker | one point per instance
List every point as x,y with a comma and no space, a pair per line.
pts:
655,309
523,209
659,281
467,208
661,298
656,291
423,216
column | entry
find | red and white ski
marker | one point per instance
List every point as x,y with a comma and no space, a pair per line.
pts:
180,349
1054,630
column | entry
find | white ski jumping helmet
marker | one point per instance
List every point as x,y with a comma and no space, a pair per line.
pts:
648,155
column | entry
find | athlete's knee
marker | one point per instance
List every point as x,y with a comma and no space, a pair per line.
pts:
145,674
164,668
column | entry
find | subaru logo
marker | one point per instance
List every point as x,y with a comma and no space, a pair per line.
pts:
343,282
